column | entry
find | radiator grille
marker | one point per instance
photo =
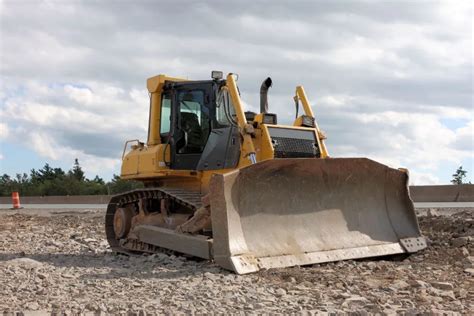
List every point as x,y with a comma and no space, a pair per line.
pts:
294,148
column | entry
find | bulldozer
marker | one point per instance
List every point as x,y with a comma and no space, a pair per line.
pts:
237,188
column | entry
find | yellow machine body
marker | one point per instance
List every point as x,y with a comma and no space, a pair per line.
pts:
147,163
279,200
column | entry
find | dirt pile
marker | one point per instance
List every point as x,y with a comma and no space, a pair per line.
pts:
61,262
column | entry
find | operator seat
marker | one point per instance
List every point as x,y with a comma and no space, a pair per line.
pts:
193,133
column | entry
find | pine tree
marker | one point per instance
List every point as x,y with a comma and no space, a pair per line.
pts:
459,176
47,173
76,171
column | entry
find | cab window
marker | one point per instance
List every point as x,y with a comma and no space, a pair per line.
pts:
225,112
193,121
165,114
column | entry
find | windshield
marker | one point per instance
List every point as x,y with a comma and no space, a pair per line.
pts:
225,112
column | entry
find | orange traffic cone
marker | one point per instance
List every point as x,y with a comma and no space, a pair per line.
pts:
16,200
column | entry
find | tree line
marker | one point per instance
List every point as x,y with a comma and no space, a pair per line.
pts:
55,181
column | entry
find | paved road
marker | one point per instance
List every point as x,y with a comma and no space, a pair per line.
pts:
104,206
444,204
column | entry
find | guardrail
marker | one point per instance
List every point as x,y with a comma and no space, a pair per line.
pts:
419,193
442,193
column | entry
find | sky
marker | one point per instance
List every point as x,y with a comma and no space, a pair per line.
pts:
388,80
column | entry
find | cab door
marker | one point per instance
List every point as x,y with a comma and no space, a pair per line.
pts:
193,110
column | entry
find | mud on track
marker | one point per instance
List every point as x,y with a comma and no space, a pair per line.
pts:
58,260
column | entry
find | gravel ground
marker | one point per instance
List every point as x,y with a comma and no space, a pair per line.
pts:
54,261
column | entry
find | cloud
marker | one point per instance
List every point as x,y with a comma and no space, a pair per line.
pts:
4,131
381,76
417,178
465,137
96,122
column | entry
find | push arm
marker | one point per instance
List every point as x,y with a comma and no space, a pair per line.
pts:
301,95
246,129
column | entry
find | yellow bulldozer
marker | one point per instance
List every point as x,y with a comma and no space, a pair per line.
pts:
240,189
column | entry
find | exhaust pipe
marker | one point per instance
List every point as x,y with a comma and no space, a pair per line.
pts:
266,84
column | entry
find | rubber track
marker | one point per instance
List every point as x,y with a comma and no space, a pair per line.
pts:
186,198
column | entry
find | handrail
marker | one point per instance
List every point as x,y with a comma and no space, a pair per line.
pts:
126,143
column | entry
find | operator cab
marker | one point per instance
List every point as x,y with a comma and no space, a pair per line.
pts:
196,122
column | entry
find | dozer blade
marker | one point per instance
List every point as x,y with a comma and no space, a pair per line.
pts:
286,212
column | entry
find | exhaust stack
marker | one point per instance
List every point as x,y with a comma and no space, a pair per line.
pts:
266,84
